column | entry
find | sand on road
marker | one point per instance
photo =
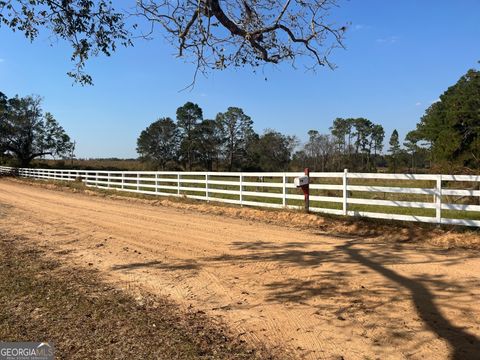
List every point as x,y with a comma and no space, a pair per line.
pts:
302,292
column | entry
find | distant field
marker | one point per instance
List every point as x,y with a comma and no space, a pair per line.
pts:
98,164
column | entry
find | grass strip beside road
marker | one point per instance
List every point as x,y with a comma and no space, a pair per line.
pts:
42,299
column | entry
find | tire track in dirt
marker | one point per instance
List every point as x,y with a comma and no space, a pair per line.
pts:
130,233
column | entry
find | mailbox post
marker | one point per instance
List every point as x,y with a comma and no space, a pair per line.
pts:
303,183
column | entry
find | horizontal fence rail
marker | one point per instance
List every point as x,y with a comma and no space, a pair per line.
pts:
439,199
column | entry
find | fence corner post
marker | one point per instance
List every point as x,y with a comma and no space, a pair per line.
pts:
438,200
345,192
284,197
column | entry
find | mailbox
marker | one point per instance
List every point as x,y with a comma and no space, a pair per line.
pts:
300,181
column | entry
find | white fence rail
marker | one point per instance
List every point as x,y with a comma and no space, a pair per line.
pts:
440,199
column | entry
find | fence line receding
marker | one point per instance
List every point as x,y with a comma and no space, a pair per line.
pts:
440,199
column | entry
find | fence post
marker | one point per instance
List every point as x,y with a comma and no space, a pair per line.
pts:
284,197
241,189
345,192
438,199
206,186
108,180
123,180
96,179
156,182
178,184
306,191
138,182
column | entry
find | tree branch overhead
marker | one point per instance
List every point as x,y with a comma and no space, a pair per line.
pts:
213,34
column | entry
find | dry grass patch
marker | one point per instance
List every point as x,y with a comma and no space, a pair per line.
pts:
43,300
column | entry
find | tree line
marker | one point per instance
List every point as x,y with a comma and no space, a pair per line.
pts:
230,143
447,138
227,142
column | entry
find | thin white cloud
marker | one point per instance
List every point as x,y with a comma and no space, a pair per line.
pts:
388,40
418,103
358,27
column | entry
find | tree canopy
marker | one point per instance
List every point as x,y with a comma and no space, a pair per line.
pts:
212,34
229,142
236,129
90,27
189,116
27,133
159,142
271,151
359,140
451,126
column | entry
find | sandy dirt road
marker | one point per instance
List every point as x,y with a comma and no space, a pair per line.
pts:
313,295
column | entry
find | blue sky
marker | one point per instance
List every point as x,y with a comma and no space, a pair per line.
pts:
400,56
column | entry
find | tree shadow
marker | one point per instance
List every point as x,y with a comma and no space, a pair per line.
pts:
300,254
464,345
267,245
340,287
5,210
184,265
330,291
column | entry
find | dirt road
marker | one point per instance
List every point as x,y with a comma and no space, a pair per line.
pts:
316,296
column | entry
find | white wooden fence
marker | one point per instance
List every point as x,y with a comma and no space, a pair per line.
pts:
340,193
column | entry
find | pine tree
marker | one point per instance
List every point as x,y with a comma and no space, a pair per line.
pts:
394,149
